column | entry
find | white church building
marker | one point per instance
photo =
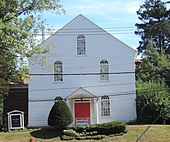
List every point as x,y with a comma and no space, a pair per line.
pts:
92,71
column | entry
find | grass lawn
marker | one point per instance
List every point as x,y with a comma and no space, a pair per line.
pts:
156,133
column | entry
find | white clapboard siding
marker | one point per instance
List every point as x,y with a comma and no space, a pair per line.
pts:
99,45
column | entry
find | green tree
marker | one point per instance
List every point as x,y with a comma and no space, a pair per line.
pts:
155,21
153,102
155,65
19,22
60,115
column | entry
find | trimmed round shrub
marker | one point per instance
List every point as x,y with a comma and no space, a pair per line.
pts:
60,115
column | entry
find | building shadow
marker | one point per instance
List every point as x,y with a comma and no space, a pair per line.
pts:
46,133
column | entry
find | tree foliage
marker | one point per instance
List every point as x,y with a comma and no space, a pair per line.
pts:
19,21
155,21
155,66
153,102
60,115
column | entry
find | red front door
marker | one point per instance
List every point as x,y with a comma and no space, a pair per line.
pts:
82,111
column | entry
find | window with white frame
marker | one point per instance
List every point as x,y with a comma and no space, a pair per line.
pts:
58,98
105,106
81,47
58,71
104,70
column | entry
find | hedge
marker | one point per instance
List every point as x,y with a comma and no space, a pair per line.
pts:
113,127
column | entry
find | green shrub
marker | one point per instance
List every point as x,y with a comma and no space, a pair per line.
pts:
70,133
67,138
113,127
95,137
79,129
152,102
96,132
60,115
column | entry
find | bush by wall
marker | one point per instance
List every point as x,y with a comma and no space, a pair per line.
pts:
60,115
97,131
152,102
113,127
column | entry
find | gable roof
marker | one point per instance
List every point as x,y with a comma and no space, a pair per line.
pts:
80,19
81,93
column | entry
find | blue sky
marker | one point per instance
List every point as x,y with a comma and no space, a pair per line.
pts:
118,17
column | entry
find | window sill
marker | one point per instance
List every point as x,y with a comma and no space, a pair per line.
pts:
104,80
81,55
58,82
105,116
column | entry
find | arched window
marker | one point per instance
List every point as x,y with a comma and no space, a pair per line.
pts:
105,106
81,47
58,98
104,70
58,71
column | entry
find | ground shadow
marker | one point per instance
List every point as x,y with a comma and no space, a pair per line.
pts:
46,133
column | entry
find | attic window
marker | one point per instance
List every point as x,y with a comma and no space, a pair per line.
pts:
81,47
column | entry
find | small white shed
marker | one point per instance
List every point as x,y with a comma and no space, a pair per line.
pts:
15,119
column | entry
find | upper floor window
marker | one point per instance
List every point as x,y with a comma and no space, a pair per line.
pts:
81,47
105,106
104,70
58,71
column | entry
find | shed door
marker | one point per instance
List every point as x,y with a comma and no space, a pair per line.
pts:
82,112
